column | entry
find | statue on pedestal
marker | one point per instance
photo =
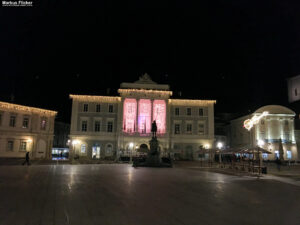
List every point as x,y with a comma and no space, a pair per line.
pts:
154,129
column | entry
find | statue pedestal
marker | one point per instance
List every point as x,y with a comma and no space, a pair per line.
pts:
153,158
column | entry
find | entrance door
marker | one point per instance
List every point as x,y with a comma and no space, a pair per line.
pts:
96,152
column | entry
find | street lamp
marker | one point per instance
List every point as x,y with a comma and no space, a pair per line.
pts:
131,144
219,145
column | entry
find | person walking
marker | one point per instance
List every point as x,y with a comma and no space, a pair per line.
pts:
26,159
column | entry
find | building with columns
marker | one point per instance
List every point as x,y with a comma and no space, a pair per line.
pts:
276,126
107,127
23,129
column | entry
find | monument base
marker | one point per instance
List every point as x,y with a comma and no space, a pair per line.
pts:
153,158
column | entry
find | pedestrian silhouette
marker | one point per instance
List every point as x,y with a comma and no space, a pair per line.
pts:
26,159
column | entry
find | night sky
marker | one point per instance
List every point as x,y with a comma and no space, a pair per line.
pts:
239,52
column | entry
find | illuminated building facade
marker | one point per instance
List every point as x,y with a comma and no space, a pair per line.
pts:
108,127
23,129
276,126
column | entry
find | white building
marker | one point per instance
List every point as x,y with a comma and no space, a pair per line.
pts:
103,126
277,125
24,128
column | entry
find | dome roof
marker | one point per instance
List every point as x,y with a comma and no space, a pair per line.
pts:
275,109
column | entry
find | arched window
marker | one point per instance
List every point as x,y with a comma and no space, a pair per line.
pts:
108,150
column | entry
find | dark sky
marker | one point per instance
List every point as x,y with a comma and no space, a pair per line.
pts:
239,52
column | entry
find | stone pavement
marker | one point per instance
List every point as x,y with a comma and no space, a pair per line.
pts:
118,194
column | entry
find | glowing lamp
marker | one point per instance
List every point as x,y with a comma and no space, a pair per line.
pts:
131,145
75,142
206,146
219,145
260,143
29,140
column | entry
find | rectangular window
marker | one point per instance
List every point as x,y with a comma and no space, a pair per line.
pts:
83,148
288,154
188,111
200,112
177,128
23,146
84,126
177,111
98,108
110,126
85,107
201,128
12,121
97,126
10,145
189,128
110,108
25,123
43,124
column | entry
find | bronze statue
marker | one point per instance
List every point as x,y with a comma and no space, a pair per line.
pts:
154,129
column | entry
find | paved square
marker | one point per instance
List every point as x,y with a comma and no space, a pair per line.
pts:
121,195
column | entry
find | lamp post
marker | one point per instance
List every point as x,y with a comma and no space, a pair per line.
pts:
220,146
130,148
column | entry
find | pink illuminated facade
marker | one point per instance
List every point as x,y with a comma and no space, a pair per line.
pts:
129,115
116,126
144,116
159,115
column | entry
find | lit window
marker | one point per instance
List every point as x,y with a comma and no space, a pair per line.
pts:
97,126
12,121
10,145
200,112
43,124
159,115
110,126
277,154
188,111
288,154
129,115
177,111
83,148
189,128
177,128
23,146
265,156
85,107
84,126
144,116
98,108
110,108
25,122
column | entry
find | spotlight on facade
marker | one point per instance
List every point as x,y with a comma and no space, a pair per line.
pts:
75,142
131,145
260,143
206,146
219,145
